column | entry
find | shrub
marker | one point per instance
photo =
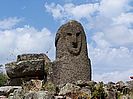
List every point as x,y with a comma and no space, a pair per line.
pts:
3,79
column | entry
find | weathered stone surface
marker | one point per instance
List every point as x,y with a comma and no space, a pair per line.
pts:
38,95
16,81
27,67
72,62
17,94
32,85
92,90
111,95
82,83
120,85
5,90
25,57
3,97
31,68
69,88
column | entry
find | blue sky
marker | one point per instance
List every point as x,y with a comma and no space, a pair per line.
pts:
29,26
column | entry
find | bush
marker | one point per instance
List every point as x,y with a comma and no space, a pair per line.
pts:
3,79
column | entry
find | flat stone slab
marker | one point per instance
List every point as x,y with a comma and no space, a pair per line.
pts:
22,69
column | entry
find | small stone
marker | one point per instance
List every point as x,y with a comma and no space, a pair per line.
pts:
3,97
120,85
59,97
69,88
111,95
32,85
38,95
86,91
85,83
17,94
5,90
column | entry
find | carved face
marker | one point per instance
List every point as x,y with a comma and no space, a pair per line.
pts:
74,41
69,39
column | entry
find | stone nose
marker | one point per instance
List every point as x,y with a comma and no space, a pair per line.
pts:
74,39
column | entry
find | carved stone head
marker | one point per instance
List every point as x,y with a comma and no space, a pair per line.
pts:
69,39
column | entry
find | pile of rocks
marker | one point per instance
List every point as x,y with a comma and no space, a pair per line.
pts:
35,89
27,67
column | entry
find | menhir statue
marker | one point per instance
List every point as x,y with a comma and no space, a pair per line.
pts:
72,62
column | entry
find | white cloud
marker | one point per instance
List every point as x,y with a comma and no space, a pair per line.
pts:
71,11
113,8
100,41
54,9
26,39
124,19
111,64
114,76
9,22
119,35
111,59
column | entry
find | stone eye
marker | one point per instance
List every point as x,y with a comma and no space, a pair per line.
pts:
69,34
77,34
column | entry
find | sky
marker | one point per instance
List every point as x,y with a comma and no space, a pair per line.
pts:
30,26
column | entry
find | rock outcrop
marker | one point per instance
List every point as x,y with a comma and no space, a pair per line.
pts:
27,66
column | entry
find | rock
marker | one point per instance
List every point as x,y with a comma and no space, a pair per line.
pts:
111,95
69,88
17,94
31,68
82,83
50,87
26,57
110,85
20,94
27,67
86,91
59,97
72,62
31,95
19,81
14,82
125,97
38,95
32,85
5,90
3,97
120,85
130,84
